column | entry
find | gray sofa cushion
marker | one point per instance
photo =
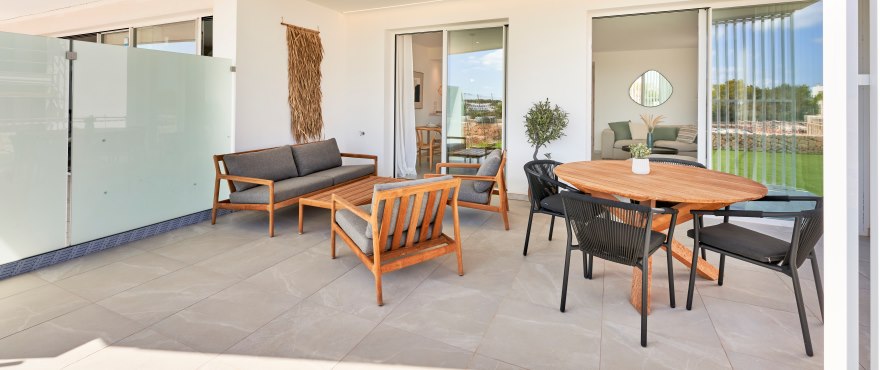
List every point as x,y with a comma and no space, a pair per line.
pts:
397,185
467,193
346,173
318,156
284,189
682,147
354,226
271,164
621,130
489,167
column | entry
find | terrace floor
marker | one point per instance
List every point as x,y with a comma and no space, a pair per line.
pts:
229,297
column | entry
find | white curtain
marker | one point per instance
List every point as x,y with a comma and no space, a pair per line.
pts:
405,115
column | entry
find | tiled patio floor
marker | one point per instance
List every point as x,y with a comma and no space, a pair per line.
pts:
229,297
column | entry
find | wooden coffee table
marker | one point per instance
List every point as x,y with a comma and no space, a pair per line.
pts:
359,193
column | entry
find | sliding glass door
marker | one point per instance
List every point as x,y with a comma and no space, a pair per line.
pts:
475,90
766,118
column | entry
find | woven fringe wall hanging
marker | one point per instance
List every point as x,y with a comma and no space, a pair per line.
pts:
304,55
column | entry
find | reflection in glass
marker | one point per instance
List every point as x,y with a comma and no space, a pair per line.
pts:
177,37
116,38
651,89
767,121
475,89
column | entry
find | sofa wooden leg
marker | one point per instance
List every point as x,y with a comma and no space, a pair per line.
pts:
271,222
332,241
214,215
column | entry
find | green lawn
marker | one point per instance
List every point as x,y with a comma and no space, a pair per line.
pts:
806,176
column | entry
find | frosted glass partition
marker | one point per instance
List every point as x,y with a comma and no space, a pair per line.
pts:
33,145
145,125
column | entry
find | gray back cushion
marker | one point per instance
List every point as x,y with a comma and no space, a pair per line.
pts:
314,157
489,167
409,210
272,164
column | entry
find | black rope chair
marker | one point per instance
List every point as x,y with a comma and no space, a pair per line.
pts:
676,161
544,195
617,232
763,250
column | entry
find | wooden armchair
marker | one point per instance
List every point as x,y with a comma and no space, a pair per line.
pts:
471,195
402,227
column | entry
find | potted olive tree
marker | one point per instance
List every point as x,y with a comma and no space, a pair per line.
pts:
545,124
640,163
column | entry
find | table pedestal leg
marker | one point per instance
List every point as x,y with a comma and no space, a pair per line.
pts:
683,255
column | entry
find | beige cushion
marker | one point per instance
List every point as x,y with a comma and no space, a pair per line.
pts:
638,130
687,134
621,143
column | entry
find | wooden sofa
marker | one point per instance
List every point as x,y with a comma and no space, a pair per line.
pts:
274,178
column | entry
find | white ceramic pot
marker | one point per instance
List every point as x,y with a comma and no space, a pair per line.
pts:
641,166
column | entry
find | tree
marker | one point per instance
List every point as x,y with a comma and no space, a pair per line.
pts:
544,124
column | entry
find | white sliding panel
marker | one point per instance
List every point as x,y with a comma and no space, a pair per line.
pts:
145,124
33,145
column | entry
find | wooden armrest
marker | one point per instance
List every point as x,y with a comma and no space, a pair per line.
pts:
364,156
463,177
351,207
252,180
455,165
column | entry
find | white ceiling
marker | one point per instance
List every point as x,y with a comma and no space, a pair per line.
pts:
348,6
12,9
646,32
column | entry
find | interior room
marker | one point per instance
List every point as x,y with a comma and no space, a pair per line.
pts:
439,184
645,64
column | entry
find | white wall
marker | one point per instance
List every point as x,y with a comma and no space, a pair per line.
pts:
616,71
428,61
262,112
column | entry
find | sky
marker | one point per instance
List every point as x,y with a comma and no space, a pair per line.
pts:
807,49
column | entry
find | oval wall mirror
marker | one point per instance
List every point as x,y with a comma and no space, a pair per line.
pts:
650,89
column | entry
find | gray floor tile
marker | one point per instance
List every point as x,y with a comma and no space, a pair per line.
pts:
32,307
116,277
389,346
20,283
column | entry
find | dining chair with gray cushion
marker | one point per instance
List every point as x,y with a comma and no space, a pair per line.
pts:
617,232
544,196
759,249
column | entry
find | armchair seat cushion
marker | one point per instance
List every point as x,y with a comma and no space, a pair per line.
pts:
284,190
466,193
271,164
744,242
553,203
354,227
346,173
682,147
317,156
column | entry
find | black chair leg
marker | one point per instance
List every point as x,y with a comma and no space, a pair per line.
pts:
805,329
590,265
586,265
644,308
721,270
552,220
671,277
565,278
818,279
528,232
703,253
693,278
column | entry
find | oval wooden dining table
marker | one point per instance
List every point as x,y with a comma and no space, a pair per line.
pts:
691,188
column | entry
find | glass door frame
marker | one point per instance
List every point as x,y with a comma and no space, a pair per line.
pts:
444,81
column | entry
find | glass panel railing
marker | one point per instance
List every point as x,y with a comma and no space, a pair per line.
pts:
145,125
34,75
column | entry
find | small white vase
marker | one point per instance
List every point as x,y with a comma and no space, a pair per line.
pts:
641,166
